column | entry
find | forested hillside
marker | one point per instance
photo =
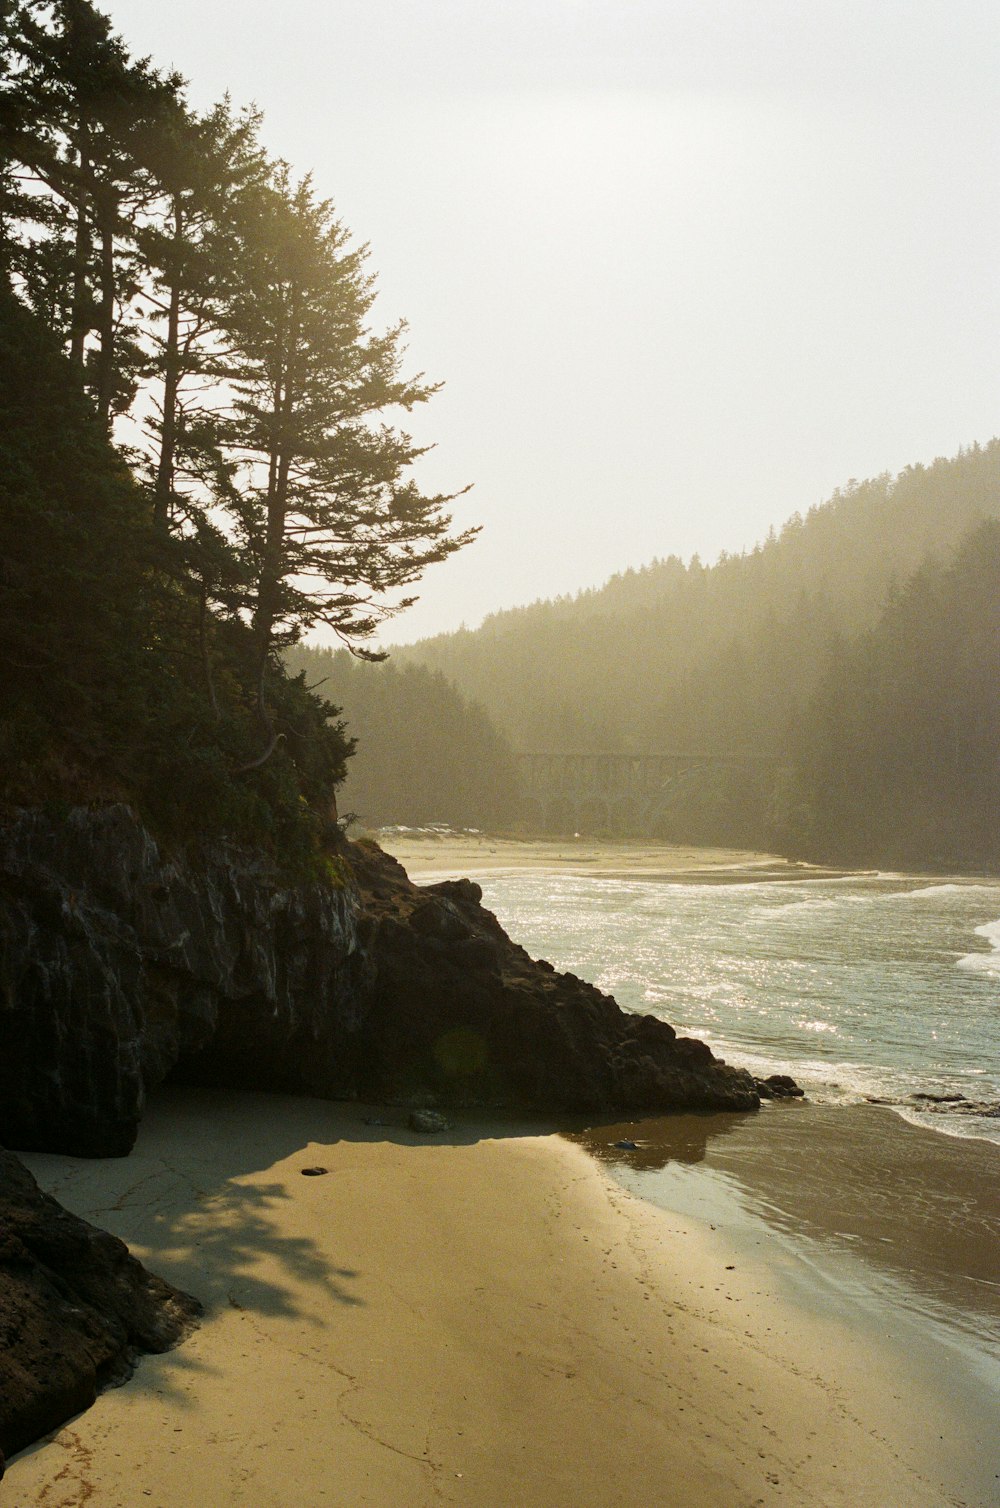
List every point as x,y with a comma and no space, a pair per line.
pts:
859,648
898,754
424,754
720,658
199,459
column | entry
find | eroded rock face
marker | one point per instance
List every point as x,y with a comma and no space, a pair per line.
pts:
121,964
118,960
75,1310
458,1008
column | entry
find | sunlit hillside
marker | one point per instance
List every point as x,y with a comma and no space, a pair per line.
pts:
720,658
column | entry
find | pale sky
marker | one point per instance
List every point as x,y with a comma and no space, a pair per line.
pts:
684,266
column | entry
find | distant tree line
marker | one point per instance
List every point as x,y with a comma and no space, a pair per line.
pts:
857,647
429,755
897,758
202,317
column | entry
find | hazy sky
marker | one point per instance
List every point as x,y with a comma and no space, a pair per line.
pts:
684,265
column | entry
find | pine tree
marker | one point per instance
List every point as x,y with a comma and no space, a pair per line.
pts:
77,116
328,516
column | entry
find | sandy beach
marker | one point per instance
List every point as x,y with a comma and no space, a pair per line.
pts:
428,854
481,1319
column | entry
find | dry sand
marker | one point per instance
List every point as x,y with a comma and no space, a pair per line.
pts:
427,855
483,1319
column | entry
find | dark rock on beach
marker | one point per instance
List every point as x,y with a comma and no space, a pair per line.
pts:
428,1122
118,961
122,964
779,1086
76,1310
457,1007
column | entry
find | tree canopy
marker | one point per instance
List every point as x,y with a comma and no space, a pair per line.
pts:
855,648
205,321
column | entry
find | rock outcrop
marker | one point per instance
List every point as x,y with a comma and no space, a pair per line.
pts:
121,964
456,1008
75,1311
118,960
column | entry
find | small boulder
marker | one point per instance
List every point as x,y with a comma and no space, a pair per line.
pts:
779,1086
428,1121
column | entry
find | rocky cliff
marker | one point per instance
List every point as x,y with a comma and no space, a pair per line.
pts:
121,964
118,960
456,1007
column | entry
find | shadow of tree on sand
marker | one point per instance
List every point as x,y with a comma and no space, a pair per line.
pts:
191,1203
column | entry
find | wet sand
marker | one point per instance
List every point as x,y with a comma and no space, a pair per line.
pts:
427,855
484,1319
866,1217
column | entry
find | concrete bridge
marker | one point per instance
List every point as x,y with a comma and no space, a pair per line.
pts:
621,793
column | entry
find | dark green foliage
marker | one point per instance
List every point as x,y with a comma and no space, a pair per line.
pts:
898,759
425,754
71,553
330,519
732,659
104,692
157,266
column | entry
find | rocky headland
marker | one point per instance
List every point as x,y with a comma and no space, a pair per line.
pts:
123,965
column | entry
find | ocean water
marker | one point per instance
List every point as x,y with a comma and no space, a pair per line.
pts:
870,987
874,986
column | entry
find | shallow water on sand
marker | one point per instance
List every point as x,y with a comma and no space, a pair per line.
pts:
870,986
882,1227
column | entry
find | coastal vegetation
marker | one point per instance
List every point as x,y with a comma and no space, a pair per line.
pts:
898,753
200,458
854,649
426,753
200,469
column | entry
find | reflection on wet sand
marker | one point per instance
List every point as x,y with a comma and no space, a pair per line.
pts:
916,1206
659,1141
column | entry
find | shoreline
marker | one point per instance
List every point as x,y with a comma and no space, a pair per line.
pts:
431,855
867,1210
447,853
426,853
481,1319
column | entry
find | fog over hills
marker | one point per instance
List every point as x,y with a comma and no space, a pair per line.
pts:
721,658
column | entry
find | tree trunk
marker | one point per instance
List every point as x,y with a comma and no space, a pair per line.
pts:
171,383
6,237
106,318
271,572
80,316
279,466
206,653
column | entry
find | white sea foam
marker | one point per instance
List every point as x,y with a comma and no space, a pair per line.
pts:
850,901
986,963
817,903
854,998
949,887
971,1127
